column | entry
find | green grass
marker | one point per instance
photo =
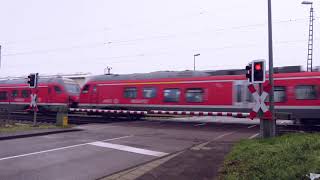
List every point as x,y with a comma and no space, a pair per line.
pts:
290,157
19,127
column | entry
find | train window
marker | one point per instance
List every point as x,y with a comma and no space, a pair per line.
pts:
85,89
3,95
194,95
94,89
57,89
72,88
306,92
130,92
279,94
14,93
149,92
171,95
25,93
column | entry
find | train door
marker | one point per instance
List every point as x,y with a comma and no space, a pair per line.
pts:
49,97
57,94
42,93
238,93
94,95
85,95
241,95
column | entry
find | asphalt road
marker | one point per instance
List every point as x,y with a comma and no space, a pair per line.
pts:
103,149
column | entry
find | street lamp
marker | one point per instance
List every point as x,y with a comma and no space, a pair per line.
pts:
306,2
310,39
194,61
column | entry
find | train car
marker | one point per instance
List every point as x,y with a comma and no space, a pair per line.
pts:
52,93
295,93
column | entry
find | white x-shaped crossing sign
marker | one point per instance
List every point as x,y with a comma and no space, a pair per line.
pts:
260,104
33,103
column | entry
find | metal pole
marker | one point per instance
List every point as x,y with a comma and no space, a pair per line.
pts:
9,107
35,108
34,117
194,61
311,33
260,114
271,124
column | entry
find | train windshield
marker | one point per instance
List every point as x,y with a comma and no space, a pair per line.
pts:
72,88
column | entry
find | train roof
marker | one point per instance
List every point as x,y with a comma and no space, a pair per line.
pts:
152,75
219,74
41,80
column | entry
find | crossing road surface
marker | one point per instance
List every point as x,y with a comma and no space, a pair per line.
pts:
103,149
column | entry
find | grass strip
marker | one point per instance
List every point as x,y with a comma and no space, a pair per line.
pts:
290,156
19,127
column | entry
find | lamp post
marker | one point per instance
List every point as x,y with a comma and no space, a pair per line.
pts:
194,61
310,39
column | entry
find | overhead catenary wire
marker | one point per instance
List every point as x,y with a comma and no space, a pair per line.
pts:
135,40
167,51
104,29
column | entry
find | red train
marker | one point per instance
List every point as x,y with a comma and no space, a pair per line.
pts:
52,93
295,93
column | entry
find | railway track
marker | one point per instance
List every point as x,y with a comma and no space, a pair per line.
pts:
284,129
79,119
72,118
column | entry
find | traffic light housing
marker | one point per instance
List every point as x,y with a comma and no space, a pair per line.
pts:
258,71
33,80
249,72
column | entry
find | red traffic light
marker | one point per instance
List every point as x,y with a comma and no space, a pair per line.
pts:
258,66
33,80
256,71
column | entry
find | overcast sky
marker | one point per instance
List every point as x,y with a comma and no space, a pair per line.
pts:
135,36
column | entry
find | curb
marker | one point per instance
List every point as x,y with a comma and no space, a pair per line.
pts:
139,171
37,134
132,168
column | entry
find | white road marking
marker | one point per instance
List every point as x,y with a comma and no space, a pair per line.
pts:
202,145
223,135
252,126
253,136
57,149
128,149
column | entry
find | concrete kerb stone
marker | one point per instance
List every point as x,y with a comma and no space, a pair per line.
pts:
40,133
